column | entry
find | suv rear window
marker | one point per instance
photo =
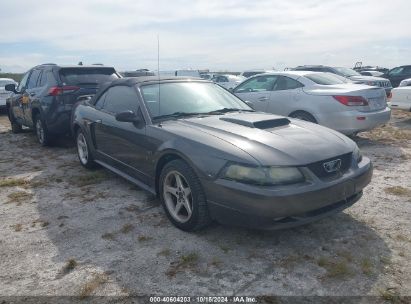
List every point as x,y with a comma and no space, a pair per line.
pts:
85,76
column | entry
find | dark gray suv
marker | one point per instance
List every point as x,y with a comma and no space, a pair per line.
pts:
46,94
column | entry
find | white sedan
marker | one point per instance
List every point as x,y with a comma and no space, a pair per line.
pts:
401,98
318,97
3,93
228,81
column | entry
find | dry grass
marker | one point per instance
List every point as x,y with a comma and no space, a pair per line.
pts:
90,178
19,197
398,191
335,268
165,252
108,236
144,238
391,295
14,182
126,228
89,287
186,262
367,266
17,227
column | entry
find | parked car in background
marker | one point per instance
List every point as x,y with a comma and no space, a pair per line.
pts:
405,82
398,74
46,94
228,81
207,76
359,68
371,73
3,93
209,156
317,97
401,98
180,73
250,73
351,75
137,73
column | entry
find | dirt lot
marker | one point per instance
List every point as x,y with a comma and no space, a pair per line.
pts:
68,231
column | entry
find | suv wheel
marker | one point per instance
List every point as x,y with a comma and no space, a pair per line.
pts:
42,133
182,196
83,151
15,127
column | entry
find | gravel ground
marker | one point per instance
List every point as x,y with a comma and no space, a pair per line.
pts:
68,231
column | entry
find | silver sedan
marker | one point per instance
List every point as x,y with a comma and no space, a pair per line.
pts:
318,97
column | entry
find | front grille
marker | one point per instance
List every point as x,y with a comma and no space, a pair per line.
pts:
384,84
318,167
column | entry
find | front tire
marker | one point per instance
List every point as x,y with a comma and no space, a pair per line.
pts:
182,197
83,151
42,133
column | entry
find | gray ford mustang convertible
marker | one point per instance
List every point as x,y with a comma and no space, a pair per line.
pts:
209,156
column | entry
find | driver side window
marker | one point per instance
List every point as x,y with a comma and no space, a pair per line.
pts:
23,82
258,84
119,99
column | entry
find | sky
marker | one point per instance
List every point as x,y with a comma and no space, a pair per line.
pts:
220,35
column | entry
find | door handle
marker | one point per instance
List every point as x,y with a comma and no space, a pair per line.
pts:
263,98
98,121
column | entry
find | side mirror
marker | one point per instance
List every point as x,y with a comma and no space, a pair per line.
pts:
127,116
11,87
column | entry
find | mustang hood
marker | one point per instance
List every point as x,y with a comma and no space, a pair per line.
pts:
271,139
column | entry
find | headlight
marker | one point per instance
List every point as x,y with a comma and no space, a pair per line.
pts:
264,175
357,155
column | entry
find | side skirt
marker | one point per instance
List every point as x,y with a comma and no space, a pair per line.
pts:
127,177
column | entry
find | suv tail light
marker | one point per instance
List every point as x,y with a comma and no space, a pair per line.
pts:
351,100
54,91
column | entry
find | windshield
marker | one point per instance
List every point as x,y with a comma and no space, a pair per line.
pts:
325,78
189,97
78,76
347,72
4,82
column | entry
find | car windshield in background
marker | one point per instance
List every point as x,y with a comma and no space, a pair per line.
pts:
5,82
325,78
347,72
189,98
78,76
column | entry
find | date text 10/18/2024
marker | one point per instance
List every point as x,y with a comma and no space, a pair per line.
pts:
203,299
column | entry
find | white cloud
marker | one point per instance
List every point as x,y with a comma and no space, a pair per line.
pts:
211,33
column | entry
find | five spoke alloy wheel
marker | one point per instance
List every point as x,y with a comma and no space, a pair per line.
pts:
178,197
82,148
182,196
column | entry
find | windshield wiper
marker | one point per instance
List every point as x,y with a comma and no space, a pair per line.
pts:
226,110
177,115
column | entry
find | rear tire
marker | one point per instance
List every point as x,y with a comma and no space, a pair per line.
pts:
42,133
15,127
180,185
83,151
302,115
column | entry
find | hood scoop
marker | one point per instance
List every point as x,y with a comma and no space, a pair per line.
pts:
258,123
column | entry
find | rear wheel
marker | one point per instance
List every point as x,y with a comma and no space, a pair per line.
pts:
43,135
302,115
182,197
15,127
83,151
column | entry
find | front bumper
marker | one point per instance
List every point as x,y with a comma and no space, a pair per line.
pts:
350,122
288,206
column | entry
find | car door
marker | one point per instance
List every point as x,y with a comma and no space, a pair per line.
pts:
257,90
121,144
17,101
30,96
286,96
